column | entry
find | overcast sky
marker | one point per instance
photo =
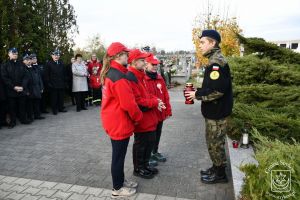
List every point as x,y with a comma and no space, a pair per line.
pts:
167,24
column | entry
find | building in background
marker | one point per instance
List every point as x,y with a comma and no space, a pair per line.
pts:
289,44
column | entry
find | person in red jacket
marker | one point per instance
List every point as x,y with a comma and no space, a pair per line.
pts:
94,69
157,87
119,114
144,132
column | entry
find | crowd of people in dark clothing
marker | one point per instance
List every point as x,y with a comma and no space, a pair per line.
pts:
28,88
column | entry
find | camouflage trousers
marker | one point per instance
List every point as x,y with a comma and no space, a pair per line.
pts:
215,140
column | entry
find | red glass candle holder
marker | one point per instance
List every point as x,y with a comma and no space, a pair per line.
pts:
188,87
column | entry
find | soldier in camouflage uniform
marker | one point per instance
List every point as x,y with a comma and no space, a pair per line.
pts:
217,102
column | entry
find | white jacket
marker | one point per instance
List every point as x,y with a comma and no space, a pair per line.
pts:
80,74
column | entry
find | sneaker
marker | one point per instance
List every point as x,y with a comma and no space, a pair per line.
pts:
122,192
130,184
153,162
159,157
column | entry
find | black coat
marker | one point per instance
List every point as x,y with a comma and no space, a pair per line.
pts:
35,83
14,74
55,75
2,91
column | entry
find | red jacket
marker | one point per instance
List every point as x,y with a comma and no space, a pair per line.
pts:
147,102
157,87
94,69
119,110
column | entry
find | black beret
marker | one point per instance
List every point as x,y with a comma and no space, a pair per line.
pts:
211,34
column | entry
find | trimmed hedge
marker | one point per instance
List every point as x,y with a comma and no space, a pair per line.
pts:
269,153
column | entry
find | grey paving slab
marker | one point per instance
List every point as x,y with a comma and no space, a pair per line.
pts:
72,148
30,197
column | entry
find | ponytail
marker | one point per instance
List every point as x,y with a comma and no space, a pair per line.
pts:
105,68
106,65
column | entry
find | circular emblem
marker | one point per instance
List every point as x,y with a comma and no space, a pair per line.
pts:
214,75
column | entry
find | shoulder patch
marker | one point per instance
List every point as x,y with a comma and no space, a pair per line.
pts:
214,75
115,75
131,77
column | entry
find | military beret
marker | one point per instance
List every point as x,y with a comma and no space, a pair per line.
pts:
211,34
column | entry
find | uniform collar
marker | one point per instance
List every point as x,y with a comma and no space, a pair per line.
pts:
140,74
118,66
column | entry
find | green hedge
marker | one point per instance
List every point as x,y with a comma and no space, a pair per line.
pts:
273,125
269,153
267,96
249,70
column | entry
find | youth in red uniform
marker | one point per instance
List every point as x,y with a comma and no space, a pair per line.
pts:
157,87
119,114
144,132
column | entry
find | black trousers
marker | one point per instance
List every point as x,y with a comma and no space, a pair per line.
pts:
97,95
142,148
57,99
17,105
119,150
3,105
44,100
80,100
158,135
33,108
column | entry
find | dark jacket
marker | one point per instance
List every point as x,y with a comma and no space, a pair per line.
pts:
35,83
55,75
222,107
2,91
14,74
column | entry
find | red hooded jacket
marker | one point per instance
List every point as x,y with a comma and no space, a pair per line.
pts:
119,110
157,87
94,69
147,102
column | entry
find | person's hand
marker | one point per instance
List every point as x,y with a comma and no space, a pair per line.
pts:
191,95
18,89
161,106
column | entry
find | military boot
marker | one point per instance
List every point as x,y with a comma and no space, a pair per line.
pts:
218,176
208,171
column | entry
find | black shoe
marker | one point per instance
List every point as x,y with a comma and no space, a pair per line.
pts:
54,112
143,173
11,125
218,176
84,108
153,170
63,111
26,122
45,112
39,117
208,171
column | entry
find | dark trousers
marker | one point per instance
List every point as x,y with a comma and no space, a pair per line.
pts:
2,112
97,95
33,108
57,99
142,148
80,100
119,150
158,134
88,97
44,102
17,104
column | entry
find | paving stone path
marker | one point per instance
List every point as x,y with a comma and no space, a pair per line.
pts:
68,157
